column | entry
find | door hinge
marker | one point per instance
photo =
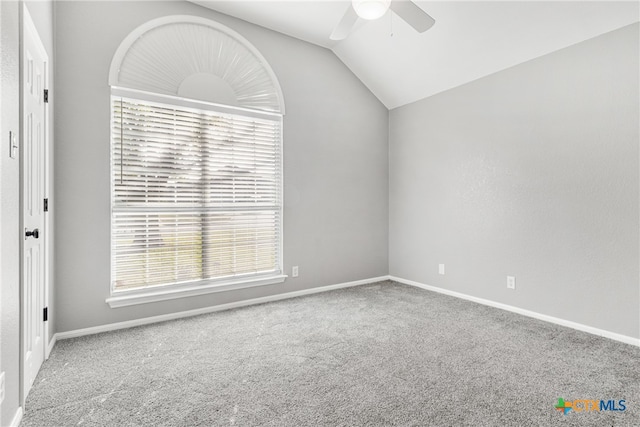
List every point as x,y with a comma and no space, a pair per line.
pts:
46,95
46,205
45,314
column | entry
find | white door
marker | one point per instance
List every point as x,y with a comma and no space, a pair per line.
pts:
34,132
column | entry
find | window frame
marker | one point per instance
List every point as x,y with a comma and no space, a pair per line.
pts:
162,292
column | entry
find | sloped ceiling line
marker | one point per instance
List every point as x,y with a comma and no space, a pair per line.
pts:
470,40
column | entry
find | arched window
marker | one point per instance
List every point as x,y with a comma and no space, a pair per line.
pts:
196,160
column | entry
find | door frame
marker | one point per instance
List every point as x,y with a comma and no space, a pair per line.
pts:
27,26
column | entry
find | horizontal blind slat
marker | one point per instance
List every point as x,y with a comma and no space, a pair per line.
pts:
167,160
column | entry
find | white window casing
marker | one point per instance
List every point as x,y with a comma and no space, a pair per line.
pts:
196,163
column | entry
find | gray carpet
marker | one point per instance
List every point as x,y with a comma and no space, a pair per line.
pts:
380,354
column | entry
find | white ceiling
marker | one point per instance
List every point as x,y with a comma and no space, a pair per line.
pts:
470,39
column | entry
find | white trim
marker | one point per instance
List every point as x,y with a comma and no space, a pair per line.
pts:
215,308
52,344
148,320
17,419
173,292
280,253
121,52
562,322
193,104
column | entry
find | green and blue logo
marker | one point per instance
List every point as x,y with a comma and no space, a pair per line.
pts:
590,405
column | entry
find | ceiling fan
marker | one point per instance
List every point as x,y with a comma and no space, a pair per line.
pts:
374,9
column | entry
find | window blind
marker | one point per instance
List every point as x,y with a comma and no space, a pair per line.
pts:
196,194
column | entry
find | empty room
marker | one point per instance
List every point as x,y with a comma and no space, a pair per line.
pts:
319,213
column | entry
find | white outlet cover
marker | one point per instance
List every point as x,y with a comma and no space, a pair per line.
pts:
294,271
441,269
511,282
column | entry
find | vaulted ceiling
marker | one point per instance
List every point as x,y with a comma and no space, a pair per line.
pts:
470,39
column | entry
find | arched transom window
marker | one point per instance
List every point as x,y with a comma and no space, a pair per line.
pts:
196,163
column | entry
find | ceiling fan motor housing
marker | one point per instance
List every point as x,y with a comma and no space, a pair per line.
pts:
371,9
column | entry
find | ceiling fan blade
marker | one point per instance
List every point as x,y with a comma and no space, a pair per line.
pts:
420,20
345,25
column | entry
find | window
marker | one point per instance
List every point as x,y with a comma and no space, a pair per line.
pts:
196,163
196,193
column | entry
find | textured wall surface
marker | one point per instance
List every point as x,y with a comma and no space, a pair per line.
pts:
530,172
335,151
9,211
1,192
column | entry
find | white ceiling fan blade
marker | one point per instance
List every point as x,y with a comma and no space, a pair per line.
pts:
345,25
413,15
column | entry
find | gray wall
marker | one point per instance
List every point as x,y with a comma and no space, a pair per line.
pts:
10,235
9,211
335,150
531,172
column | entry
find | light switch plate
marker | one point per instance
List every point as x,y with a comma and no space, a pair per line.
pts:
13,145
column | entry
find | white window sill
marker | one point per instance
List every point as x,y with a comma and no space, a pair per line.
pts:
173,292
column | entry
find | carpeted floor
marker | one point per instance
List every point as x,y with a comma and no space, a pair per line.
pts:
380,354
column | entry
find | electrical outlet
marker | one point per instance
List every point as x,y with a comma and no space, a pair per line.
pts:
1,387
294,271
441,269
511,282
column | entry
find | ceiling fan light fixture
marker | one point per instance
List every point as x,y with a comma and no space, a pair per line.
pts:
371,9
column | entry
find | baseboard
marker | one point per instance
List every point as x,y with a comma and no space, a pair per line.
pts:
205,310
562,322
52,343
15,422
